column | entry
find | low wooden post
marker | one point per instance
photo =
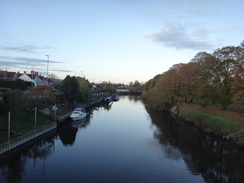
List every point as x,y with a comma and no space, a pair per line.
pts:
54,115
35,116
9,115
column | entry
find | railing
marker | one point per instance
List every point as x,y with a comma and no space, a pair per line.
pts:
17,141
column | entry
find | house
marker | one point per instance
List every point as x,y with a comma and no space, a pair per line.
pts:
7,75
25,77
32,77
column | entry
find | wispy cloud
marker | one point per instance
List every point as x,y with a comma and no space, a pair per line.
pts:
62,70
24,48
181,36
23,62
34,60
183,24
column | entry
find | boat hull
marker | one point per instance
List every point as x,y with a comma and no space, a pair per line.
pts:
78,117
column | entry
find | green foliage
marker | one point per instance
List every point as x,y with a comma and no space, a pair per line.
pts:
16,104
21,85
15,84
85,92
70,88
212,121
59,96
23,127
3,107
109,87
6,83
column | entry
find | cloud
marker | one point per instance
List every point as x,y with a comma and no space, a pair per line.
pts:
34,60
24,62
180,36
23,48
63,70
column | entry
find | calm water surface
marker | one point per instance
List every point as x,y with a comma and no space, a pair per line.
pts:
125,143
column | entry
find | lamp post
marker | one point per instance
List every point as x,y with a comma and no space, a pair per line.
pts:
47,67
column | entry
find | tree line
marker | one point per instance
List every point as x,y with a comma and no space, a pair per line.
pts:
216,78
15,84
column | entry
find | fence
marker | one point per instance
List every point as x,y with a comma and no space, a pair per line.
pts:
13,143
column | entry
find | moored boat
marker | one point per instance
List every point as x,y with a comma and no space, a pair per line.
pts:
115,97
78,113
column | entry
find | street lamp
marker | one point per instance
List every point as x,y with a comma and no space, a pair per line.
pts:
47,67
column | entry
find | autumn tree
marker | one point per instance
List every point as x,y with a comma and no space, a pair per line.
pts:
204,73
108,87
224,74
216,78
237,88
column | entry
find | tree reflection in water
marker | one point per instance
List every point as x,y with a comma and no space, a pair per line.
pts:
13,164
212,157
67,134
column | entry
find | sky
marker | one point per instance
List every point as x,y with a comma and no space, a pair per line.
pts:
117,41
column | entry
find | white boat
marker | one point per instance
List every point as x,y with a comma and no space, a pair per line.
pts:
78,113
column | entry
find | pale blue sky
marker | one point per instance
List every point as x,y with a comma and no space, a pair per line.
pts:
114,40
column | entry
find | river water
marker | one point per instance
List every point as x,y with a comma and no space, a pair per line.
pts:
125,142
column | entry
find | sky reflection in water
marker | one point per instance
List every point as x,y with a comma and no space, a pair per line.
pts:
125,143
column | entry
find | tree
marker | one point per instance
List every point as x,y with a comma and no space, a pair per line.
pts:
237,88
16,104
137,83
86,92
53,77
70,88
203,77
216,78
109,87
223,79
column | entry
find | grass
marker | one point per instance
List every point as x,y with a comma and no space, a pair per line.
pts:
214,121
25,125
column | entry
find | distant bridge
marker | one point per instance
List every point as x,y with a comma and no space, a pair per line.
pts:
122,91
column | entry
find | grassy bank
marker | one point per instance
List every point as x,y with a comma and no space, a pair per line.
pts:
22,127
228,124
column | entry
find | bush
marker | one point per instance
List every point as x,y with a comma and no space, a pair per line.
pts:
15,103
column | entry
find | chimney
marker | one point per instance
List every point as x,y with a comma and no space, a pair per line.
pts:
24,72
32,72
36,73
5,73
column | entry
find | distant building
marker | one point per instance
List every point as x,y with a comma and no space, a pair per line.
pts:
32,77
7,75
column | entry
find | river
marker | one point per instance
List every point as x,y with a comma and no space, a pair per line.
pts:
125,142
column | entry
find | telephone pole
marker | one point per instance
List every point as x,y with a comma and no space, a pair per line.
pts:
47,67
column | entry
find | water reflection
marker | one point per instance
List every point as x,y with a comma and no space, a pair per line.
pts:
116,144
13,164
107,106
80,123
215,159
67,134
132,98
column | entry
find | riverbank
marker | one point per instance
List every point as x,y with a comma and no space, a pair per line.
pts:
27,124
26,137
228,124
